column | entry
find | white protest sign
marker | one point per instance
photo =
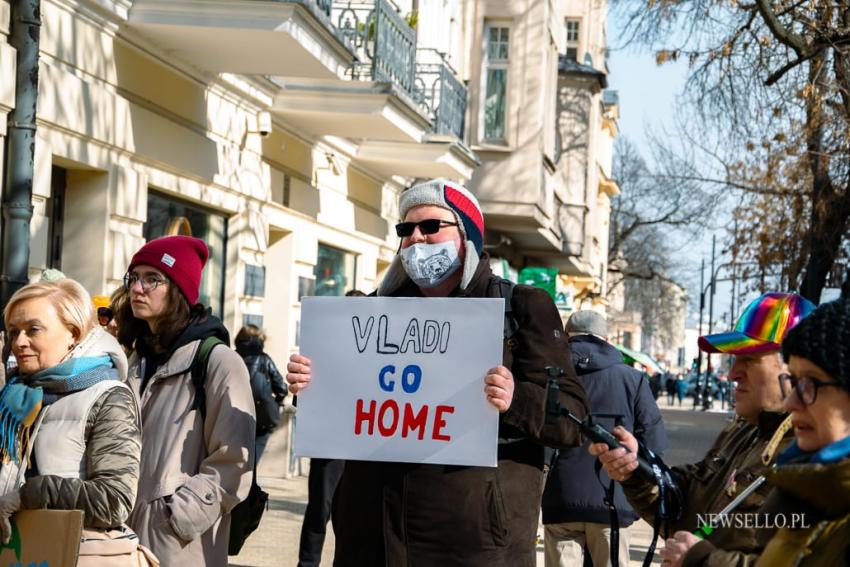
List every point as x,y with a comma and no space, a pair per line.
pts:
399,379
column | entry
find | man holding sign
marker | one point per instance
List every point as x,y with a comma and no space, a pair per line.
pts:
431,514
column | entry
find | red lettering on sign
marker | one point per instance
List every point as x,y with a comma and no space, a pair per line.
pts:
439,423
411,422
360,416
386,431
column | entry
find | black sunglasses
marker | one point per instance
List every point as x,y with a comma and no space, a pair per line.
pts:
427,226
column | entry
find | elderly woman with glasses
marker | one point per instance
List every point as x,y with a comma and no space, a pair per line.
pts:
806,518
70,436
198,439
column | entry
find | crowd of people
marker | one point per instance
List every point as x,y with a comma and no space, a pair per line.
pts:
136,411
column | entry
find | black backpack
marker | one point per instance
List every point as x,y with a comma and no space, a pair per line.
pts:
266,407
245,516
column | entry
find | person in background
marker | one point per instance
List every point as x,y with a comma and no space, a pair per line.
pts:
575,514
102,309
681,389
670,387
72,434
811,478
197,459
746,448
267,385
390,514
321,487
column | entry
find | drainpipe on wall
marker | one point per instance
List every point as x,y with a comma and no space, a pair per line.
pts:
24,31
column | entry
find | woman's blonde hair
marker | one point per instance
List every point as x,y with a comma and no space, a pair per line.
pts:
72,302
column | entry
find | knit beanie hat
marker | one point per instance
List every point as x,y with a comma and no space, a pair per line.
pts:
463,205
824,338
180,258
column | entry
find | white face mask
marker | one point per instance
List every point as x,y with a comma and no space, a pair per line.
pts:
429,265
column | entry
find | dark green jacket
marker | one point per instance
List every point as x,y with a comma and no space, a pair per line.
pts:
732,463
813,503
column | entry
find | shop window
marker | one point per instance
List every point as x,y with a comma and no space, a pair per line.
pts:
334,271
168,216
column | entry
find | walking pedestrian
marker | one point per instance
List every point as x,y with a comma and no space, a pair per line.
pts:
388,514
71,438
681,389
670,387
575,513
267,385
198,440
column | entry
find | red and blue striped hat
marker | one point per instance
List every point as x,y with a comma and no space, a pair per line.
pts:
762,325
463,204
451,196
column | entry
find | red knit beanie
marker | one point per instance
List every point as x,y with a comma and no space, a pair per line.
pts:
181,258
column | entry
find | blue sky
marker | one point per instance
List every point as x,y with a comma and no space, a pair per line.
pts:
648,94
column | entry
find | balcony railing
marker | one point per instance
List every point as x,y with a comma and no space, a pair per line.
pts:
440,92
385,43
318,7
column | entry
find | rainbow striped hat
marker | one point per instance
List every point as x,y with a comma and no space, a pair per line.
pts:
762,325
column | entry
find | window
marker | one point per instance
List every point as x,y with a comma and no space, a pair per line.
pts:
168,216
573,28
255,280
334,271
496,86
56,216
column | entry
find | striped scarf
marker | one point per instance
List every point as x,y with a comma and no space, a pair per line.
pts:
23,397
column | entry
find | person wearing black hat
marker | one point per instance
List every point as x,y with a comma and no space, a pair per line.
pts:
389,514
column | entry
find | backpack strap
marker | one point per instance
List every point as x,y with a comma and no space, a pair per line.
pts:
199,373
505,289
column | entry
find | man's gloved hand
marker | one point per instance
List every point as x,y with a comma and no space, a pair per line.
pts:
9,504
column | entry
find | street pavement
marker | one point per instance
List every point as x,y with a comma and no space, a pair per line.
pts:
275,543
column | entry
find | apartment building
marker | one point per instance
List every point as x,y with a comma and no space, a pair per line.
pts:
543,126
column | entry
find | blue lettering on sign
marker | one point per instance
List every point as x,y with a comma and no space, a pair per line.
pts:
411,378
386,386
33,564
413,385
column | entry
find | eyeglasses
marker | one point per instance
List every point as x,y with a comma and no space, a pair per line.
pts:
427,226
149,282
806,388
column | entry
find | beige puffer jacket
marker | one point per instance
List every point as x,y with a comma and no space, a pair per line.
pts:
193,472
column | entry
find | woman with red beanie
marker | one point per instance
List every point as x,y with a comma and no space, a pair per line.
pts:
196,461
